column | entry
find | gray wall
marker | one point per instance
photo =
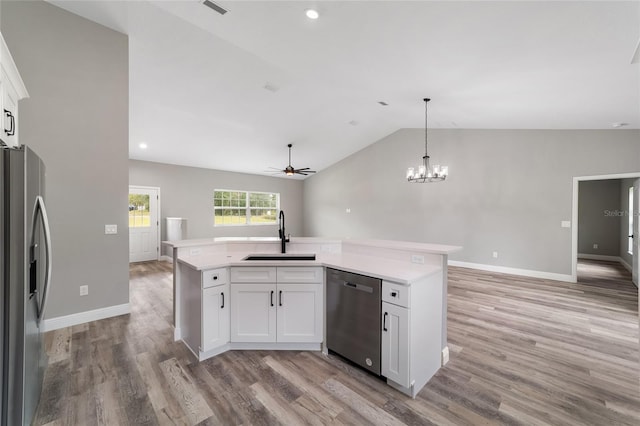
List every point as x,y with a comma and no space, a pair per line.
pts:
624,185
595,226
188,192
508,191
76,119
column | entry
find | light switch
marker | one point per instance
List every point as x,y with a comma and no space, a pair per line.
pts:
565,224
110,229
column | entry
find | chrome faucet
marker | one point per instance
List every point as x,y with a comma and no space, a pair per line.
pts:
283,237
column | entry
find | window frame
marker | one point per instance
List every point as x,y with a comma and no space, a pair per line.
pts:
247,208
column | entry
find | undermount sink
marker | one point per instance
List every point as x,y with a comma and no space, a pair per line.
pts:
281,256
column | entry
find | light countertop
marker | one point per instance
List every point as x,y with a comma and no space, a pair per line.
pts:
391,270
247,240
388,244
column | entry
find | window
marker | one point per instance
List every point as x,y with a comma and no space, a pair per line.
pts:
139,211
630,248
245,208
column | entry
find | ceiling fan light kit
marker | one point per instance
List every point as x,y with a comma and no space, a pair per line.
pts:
426,173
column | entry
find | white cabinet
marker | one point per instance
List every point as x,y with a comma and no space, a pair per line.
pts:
411,332
204,317
215,317
253,312
395,343
282,304
299,316
12,89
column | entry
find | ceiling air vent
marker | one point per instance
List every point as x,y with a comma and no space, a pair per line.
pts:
214,6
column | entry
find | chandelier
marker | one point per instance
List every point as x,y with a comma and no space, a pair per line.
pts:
425,172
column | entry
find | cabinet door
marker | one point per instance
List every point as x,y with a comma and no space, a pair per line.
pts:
395,343
215,317
253,312
300,313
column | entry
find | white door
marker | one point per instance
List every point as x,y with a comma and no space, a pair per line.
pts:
143,223
300,313
636,230
253,312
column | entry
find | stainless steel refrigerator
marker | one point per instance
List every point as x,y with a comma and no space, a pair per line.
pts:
25,268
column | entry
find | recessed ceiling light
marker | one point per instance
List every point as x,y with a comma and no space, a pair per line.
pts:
618,125
312,13
143,145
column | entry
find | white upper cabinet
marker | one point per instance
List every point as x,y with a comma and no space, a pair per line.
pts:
12,89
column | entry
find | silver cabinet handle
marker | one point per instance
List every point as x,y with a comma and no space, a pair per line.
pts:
12,129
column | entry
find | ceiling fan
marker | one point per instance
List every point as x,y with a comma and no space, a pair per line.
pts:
290,170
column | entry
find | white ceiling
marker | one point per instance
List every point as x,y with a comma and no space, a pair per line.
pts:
197,78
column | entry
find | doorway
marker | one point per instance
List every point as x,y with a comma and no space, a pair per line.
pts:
630,214
144,226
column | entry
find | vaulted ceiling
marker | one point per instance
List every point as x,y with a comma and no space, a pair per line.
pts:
230,91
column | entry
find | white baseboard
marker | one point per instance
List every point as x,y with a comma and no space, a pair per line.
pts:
626,265
83,317
599,257
164,258
514,271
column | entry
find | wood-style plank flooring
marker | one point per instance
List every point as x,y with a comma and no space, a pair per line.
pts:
523,352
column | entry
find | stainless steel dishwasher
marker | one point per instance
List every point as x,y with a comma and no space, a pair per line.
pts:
353,317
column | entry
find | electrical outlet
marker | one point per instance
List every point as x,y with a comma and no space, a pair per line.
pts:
595,246
110,229
495,254
565,224
445,356
348,210
195,251
417,258
84,290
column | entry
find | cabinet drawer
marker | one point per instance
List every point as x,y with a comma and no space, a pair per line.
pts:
214,277
253,274
299,274
396,294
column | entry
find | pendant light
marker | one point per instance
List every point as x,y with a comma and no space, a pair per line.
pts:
425,172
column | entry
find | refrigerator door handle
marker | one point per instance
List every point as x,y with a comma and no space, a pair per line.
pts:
39,210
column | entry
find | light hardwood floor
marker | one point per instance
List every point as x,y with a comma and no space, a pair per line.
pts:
523,351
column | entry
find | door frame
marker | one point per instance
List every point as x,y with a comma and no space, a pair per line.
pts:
574,214
156,188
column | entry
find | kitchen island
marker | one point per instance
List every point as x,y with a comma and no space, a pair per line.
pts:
224,302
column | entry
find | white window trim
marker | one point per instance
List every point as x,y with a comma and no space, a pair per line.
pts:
247,208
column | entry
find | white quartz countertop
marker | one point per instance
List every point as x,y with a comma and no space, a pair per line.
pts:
247,240
388,244
373,266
